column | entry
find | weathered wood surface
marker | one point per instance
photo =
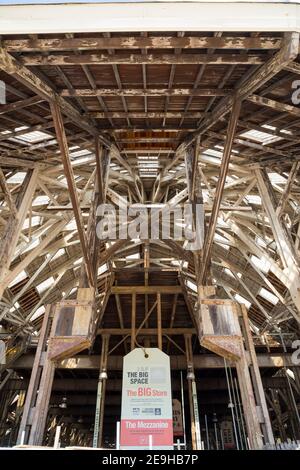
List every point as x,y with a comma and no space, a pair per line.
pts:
219,329
87,92
141,59
73,325
141,42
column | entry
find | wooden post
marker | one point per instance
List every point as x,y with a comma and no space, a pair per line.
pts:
35,380
159,330
39,389
248,401
42,404
133,318
275,403
99,415
257,382
194,412
220,332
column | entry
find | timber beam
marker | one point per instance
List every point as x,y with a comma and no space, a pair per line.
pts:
147,331
140,42
141,59
203,361
87,92
64,151
144,115
146,289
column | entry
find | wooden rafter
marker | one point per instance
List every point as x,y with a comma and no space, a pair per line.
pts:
64,151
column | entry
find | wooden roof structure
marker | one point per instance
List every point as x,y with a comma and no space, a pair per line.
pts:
116,102
152,101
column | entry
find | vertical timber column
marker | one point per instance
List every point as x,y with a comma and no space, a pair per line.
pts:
159,330
275,403
19,411
35,411
99,415
193,401
248,401
195,199
147,342
93,241
42,404
257,382
14,225
133,319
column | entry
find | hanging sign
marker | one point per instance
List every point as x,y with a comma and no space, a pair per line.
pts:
146,416
177,418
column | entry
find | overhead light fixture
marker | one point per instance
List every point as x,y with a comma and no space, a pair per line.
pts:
63,403
103,375
190,373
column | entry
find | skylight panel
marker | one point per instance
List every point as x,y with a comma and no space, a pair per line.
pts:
36,220
268,296
71,225
133,256
59,253
261,263
73,290
17,178
276,178
231,179
15,307
20,277
45,285
253,199
148,166
32,137
192,286
78,261
213,153
33,244
221,240
261,137
260,242
41,200
242,300
227,271
40,311
6,132
176,262
80,153
180,263
102,269
17,129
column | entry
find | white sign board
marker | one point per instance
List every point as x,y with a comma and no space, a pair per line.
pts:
146,417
